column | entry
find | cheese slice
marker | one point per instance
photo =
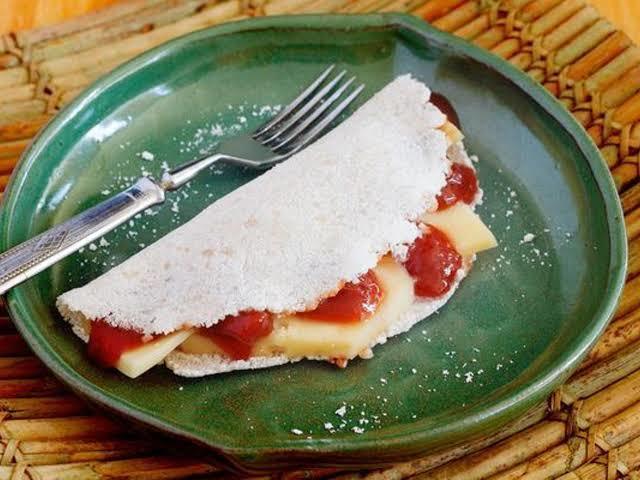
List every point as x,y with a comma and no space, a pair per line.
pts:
464,227
135,362
453,133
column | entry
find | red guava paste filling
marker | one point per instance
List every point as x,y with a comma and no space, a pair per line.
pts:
107,343
353,303
462,186
433,263
236,335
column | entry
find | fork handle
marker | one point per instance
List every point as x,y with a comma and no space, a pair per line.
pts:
31,257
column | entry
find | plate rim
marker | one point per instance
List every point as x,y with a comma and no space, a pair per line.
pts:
538,389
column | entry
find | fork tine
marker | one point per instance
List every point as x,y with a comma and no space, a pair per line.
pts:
302,111
292,106
308,137
303,125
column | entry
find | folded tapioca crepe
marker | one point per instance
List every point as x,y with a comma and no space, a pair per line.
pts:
352,240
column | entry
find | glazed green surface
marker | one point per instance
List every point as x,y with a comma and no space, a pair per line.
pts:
517,326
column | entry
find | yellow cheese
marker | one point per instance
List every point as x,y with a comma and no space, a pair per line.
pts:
135,362
464,228
199,345
453,133
295,336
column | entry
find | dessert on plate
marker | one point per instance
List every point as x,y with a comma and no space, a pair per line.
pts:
353,240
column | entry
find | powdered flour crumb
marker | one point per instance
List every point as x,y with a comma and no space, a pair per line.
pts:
147,155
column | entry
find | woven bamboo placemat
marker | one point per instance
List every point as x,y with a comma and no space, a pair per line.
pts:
588,429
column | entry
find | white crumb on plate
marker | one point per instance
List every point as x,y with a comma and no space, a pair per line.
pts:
528,237
147,155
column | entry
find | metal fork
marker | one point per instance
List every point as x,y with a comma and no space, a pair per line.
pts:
296,126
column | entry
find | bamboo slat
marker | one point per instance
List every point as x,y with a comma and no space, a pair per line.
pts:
630,300
514,450
620,334
42,407
632,223
149,18
459,17
82,78
21,367
609,401
583,43
148,468
13,344
633,267
428,463
550,464
73,457
589,429
621,90
8,60
67,428
6,326
599,56
472,29
619,429
278,7
12,77
602,374
532,10
554,17
586,17
22,110
107,15
17,93
35,447
31,387
631,199
13,148
491,37
320,6
613,70
124,49
437,8
20,129
629,111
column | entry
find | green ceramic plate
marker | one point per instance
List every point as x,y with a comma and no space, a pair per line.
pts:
516,328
